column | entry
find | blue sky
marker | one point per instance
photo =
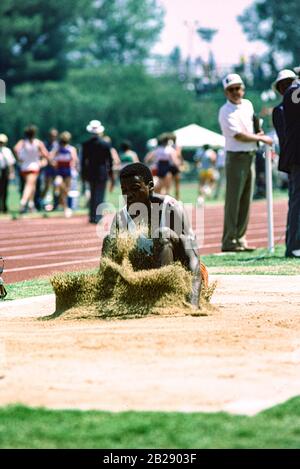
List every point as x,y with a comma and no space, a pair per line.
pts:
230,42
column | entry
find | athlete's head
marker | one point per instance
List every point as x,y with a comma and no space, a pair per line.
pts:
65,138
30,132
163,139
126,145
136,183
53,134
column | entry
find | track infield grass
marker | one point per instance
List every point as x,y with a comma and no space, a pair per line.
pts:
22,427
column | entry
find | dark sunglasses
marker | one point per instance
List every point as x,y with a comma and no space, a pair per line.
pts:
236,88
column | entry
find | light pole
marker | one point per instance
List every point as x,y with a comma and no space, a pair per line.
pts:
207,35
192,29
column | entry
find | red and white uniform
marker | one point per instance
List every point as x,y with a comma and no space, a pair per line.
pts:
29,156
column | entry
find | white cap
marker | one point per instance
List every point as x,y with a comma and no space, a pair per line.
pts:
232,79
152,143
284,75
3,138
95,127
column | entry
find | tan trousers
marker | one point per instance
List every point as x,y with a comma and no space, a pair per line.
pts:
240,176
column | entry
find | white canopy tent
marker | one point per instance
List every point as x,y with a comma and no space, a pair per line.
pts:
195,136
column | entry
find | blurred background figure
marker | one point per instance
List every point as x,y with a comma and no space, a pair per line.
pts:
127,155
260,174
49,172
97,167
163,158
286,122
7,162
220,167
30,152
114,154
64,159
206,159
177,165
148,159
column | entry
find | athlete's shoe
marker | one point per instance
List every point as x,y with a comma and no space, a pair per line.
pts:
68,212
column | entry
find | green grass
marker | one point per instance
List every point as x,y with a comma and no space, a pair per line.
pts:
29,288
260,262
21,427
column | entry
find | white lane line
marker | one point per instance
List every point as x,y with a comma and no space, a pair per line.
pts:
26,244
38,235
84,261
48,253
56,264
48,245
82,249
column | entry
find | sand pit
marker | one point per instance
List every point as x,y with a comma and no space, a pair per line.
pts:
242,357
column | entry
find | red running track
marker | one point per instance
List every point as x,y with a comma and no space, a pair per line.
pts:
40,247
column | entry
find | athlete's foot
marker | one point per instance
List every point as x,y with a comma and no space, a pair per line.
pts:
68,212
23,209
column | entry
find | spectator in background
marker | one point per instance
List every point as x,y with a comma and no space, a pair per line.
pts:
207,174
163,157
220,167
127,155
283,81
7,161
30,151
177,165
291,153
64,159
52,145
114,154
260,172
236,119
96,167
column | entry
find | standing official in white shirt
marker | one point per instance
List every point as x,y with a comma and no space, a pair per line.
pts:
7,161
236,119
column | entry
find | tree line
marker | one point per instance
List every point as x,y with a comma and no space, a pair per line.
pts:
65,63
41,39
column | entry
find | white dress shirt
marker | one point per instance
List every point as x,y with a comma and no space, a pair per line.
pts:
235,119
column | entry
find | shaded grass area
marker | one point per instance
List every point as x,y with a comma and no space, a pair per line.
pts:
260,262
22,427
